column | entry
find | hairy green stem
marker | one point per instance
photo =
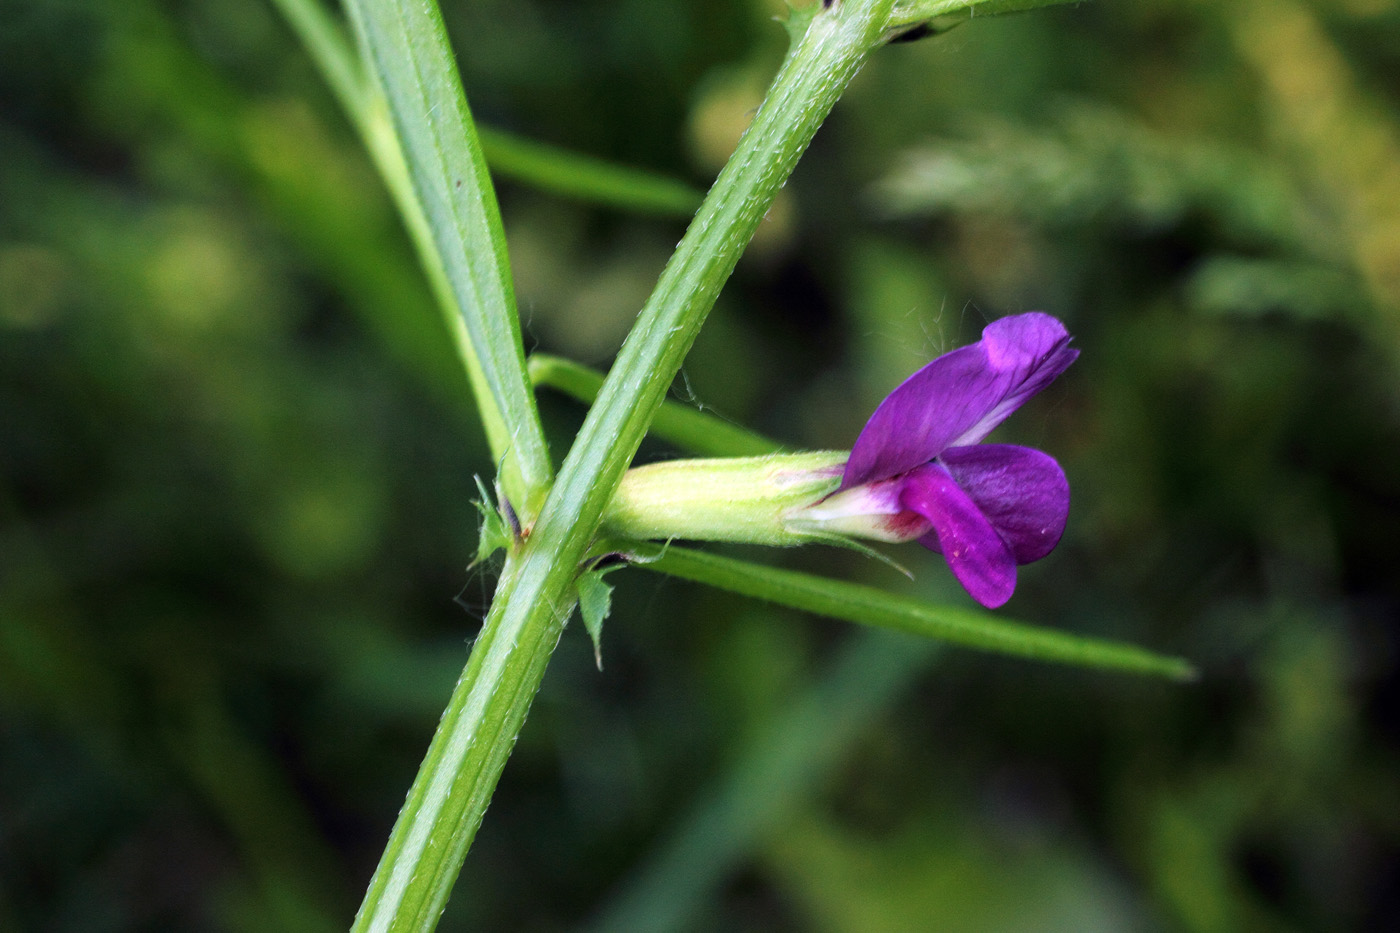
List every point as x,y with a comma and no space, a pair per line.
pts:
536,591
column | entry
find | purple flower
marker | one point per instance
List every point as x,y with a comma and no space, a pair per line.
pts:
916,470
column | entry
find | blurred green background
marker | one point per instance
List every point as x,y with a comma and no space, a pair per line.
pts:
237,460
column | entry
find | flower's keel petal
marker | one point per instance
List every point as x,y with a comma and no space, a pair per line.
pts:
960,397
978,557
1022,492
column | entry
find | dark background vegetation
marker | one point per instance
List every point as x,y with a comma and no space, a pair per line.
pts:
237,460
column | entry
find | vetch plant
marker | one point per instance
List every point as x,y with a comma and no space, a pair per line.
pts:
916,471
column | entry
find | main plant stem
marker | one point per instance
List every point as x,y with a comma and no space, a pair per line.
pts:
535,594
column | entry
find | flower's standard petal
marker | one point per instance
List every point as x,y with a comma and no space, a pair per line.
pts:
1028,351
918,419
960,396
977,555
1022,492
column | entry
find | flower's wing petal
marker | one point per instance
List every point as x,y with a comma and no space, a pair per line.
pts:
1022,492
960,396
978,557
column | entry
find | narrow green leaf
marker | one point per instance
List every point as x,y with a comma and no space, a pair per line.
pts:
364,104
680,425
324,39
406,47
868,606
539,165
585,178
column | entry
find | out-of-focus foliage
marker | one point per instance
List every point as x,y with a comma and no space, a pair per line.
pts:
1098,172
237,459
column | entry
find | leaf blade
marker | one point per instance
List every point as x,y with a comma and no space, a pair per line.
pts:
866,605
406,49
679,424
585,178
